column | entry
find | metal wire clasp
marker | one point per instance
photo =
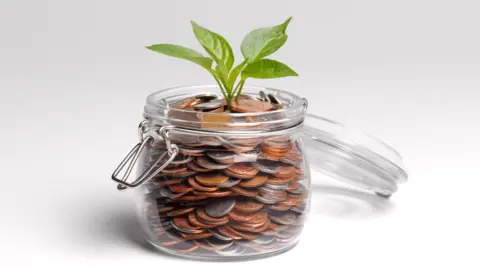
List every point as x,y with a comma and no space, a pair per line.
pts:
132,157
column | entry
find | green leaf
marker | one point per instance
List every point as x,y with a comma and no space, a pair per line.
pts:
262,42
234,74
216,46
267,68
182,53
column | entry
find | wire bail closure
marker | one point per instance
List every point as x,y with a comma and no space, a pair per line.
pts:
132,157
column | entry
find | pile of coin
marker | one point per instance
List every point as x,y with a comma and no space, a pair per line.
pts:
227,195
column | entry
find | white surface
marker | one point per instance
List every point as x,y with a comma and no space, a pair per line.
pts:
74,76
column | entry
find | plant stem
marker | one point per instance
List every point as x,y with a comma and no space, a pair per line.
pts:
219,84
240,87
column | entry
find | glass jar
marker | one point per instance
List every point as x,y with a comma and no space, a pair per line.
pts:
237,185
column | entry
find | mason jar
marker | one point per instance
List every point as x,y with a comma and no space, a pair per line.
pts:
237,185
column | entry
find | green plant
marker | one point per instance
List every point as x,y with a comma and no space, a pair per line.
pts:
257,45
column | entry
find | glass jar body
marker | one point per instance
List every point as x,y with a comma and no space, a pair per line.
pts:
225,196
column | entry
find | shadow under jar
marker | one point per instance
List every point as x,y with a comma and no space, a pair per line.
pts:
237,185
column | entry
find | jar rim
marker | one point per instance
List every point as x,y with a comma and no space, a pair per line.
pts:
292,113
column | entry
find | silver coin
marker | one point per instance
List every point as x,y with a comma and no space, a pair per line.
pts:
218,244
210,105
181,159
265,200
269,167
248,157
183,230
219,235
282,187
273,99
266,189
224,157
208,163
286,240
207,96
230,183
287,218
167,193
284,234
263,240
229,251
187,151
219,208
298,210
264,96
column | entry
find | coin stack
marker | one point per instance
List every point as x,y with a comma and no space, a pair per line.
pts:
226,195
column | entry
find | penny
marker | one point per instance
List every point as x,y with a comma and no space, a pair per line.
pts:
218,235
269,167
273,99
285,172
165,209
174,170
247,206
197,186
196,168
291,200
170,243
191,151
241,170
180,188
254,182
230,183
203,245
192,218
257,228
241,216
188,250
184,174
179,212
188,198
284,218
202,215
207,163
220,193
229,232
247,106
211,179
181,224
259,218
245,234
298,190
185,103
215,121
244,192
279,181
220,209
195,236
167,193
218,244
263,240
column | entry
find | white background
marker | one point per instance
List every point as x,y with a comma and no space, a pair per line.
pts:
74,76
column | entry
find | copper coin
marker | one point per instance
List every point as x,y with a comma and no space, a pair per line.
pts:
197,186
218,235
219,121
196,168
189,198
253,229
174,170
254,182
165,209
259,218
244,192
279,181
248,206
224,157
181,211
181,224
208,163
170,243
299,171
184,174
229,232
180,188
291,200
277,227
195,236
186,103
191,151
285,172
298,190
203,216
192,218
241,216
241,170
204,245
211,179
230,183
244,234
220,193
167,193
246,106
188,250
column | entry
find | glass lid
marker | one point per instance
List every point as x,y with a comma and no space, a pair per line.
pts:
352,156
